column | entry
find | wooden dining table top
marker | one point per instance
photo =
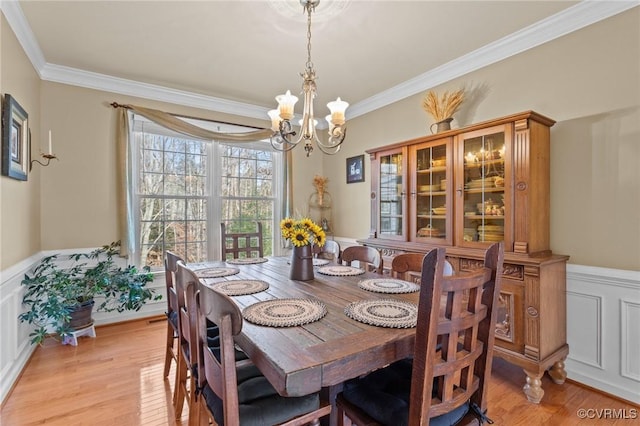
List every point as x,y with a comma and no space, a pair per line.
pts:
323,354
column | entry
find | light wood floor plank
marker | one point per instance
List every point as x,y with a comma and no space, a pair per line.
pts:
116,379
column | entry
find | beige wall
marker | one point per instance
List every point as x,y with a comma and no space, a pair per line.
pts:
20,205
79,194
589,81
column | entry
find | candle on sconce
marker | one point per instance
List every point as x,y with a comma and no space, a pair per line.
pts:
50,148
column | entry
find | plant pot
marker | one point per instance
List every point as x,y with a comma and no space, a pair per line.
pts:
81,315
301,263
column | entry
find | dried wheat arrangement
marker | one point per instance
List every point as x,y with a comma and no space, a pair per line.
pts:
444,107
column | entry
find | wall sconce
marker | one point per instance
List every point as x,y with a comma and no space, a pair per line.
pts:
50,156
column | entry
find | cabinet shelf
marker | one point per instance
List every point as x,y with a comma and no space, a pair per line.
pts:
485,190
427,194
432,170
479,164
485,217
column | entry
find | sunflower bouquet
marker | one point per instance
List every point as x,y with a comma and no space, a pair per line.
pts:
302,232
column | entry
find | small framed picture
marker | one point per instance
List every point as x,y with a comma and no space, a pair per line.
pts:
355,169
15,139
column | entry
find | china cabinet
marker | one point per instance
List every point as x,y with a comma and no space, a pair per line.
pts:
466,189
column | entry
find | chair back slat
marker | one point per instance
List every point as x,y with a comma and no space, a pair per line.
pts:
330,251
220,373
170,267
236,243
369,258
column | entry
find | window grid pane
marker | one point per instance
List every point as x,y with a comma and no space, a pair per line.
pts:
173,192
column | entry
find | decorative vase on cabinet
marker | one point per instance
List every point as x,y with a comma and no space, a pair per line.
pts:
471,187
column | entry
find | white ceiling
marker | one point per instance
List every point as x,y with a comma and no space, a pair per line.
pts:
235,56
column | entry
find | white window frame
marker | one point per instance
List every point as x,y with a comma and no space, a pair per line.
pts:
214,203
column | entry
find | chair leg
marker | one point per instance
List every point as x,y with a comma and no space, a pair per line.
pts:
169,354
194,403
179,391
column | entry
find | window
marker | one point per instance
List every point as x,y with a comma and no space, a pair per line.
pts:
182,189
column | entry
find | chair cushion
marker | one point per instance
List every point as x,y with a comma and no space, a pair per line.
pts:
384,396
259,403
173,319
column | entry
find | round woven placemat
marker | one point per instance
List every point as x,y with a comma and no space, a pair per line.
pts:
240,287
320,262
388,285
216,272
384,313
285,312
246,261
340,271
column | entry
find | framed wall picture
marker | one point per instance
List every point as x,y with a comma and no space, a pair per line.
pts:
355,169
15,139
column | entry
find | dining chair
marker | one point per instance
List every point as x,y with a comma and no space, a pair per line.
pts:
236,244
330,251
446,381
369,258
237,393
186,370
171,350
408,266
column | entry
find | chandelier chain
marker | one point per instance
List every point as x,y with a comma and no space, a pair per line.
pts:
309,7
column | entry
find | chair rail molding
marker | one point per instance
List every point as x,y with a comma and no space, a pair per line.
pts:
603,329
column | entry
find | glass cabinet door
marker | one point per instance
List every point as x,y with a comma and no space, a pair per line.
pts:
392,202
430,205
484,182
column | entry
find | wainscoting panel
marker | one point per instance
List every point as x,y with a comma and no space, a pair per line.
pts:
630,315
15,348
586,336
603,329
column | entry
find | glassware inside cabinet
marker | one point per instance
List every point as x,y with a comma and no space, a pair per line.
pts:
391,196
484,182
431,192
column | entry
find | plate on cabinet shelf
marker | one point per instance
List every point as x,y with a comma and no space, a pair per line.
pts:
428,188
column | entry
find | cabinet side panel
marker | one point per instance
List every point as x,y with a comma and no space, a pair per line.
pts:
521,186
553,307
539,187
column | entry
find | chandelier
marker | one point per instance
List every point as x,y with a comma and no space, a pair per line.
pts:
284,137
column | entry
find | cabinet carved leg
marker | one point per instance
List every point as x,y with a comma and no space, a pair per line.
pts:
557,372
533,388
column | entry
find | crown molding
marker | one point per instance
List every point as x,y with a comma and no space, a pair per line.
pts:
18,23
92,80
571,19
581,15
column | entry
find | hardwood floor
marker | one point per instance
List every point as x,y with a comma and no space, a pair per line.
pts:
116,379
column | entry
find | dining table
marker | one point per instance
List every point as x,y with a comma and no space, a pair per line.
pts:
321,355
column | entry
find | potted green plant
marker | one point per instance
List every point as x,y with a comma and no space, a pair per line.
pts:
61,288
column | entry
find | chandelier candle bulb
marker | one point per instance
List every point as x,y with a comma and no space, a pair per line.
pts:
274,115
330,122
286,103
50,147
338,109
